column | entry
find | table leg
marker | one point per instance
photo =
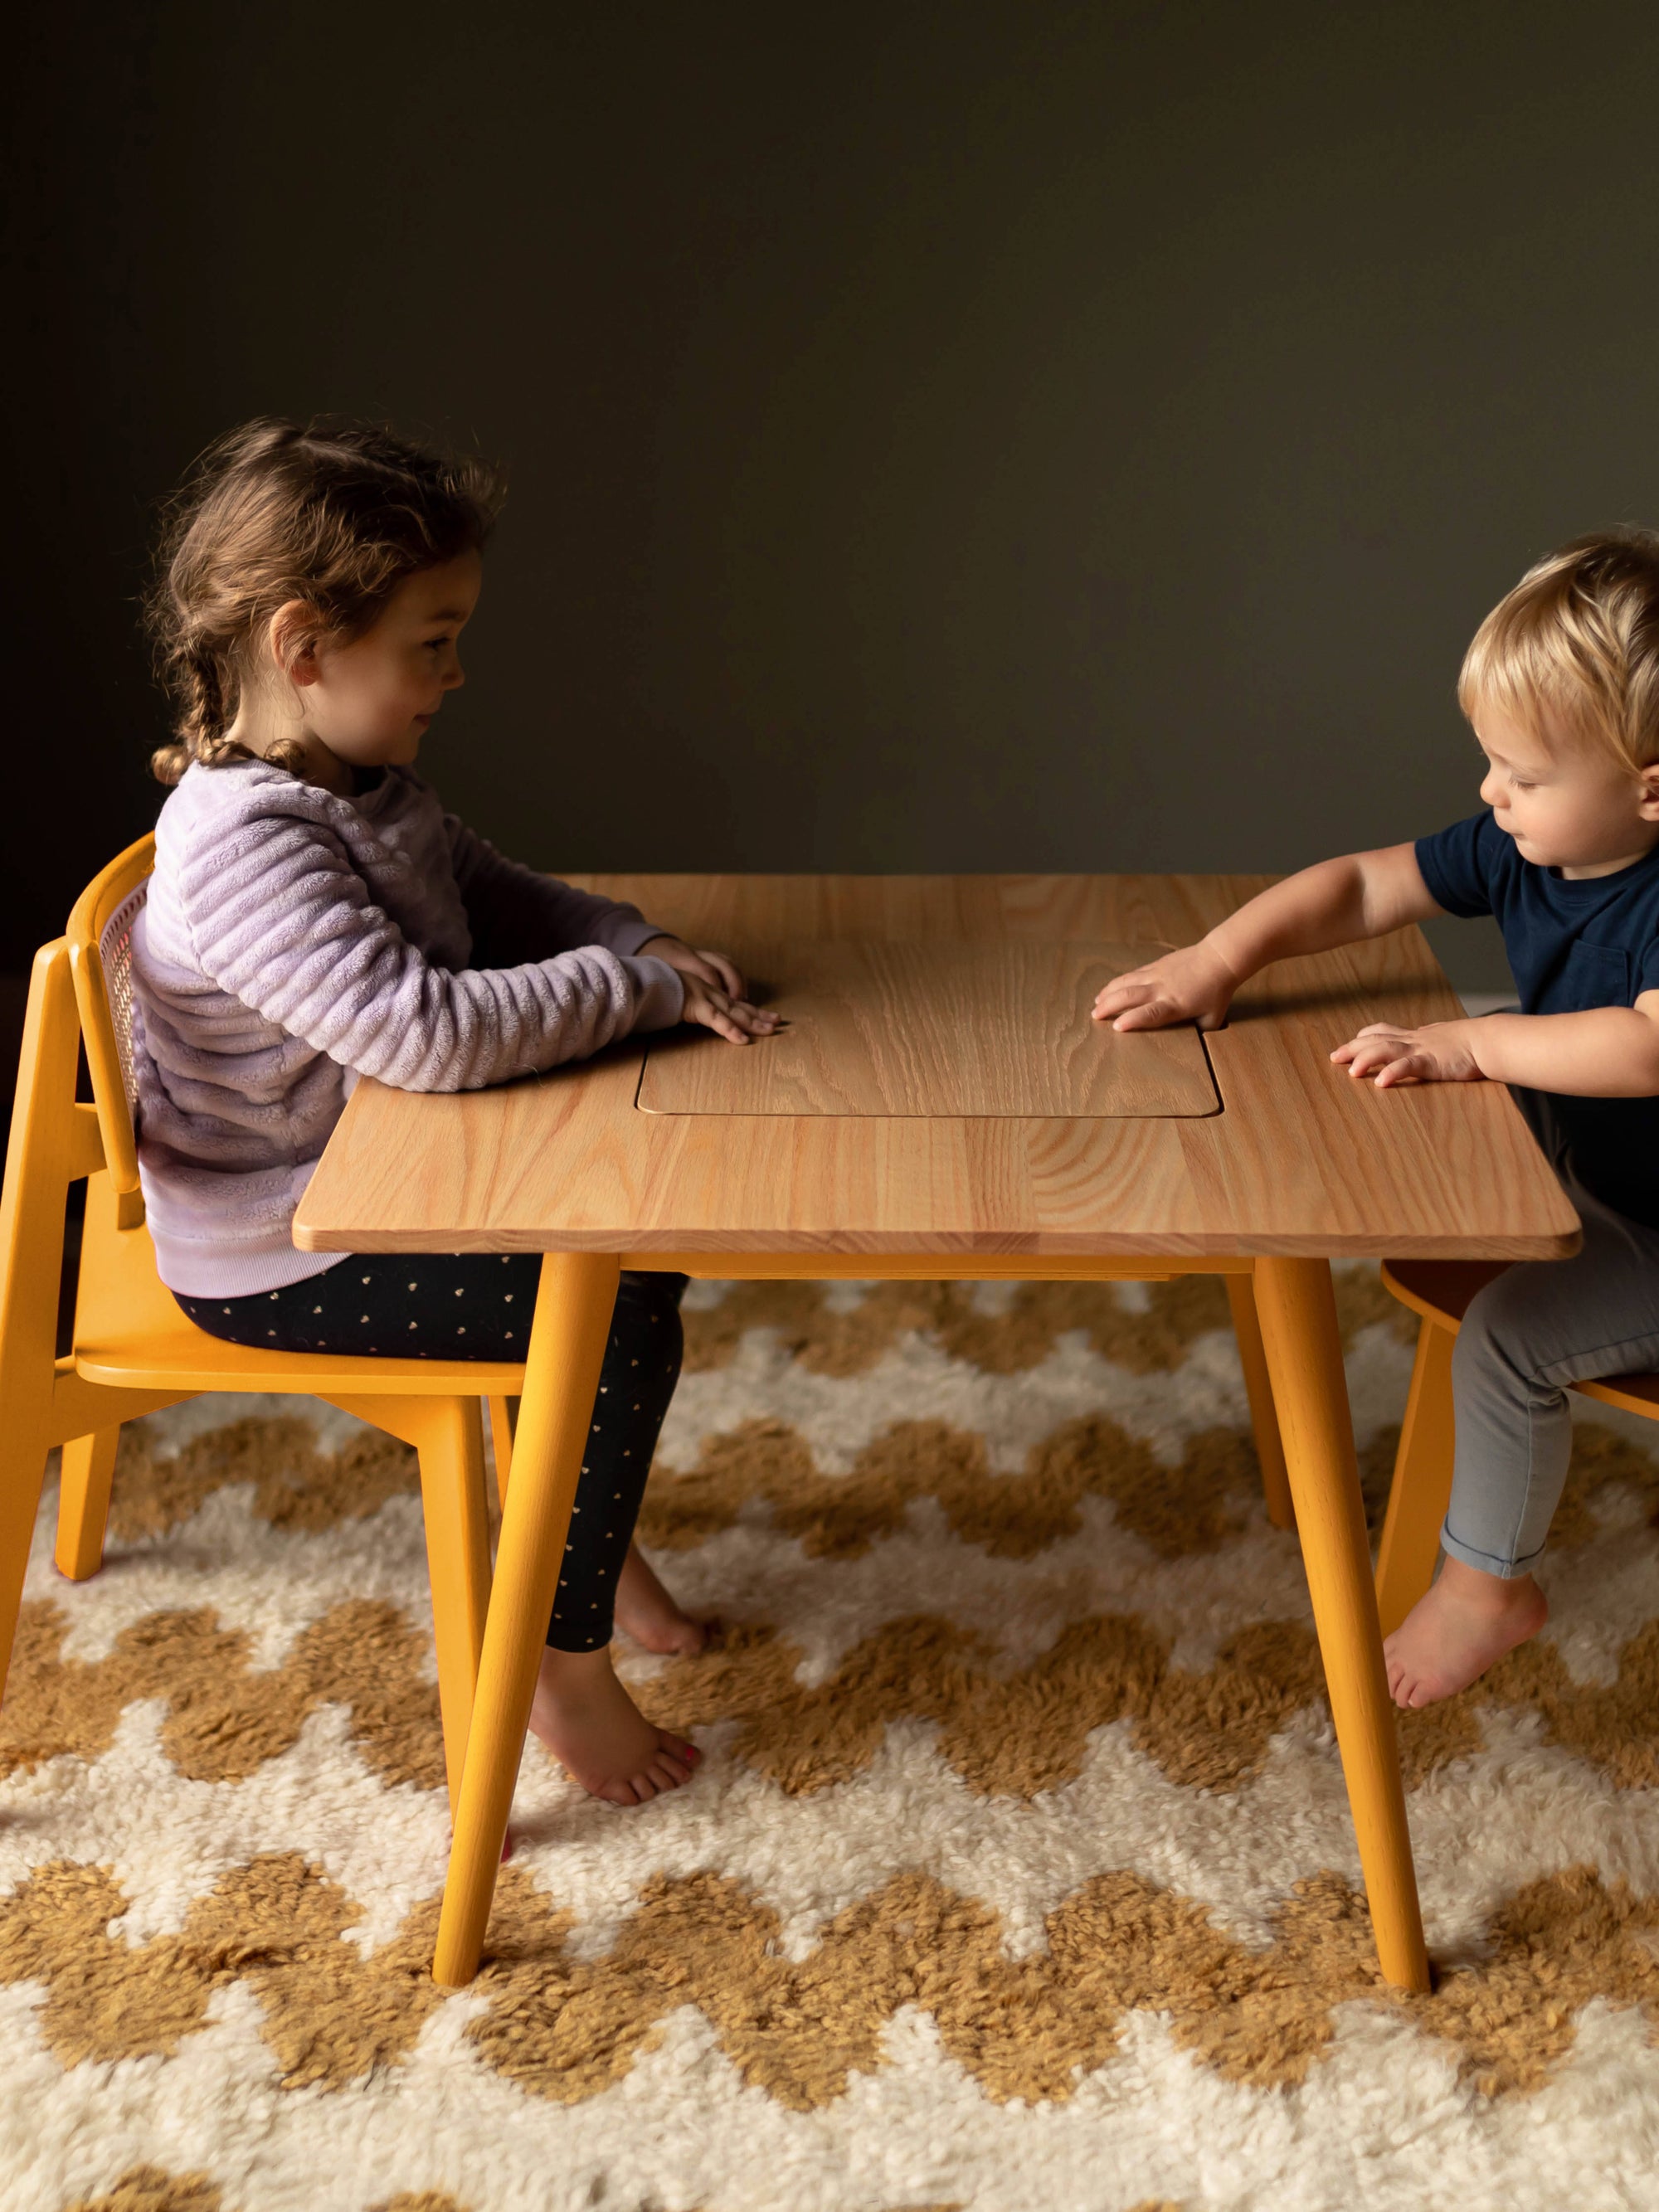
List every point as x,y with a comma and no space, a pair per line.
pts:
1303,1346
1264,1418
572,1324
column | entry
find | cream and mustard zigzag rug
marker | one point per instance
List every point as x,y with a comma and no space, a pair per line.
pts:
1018,1872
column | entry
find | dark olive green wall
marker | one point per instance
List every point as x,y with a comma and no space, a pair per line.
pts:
942,438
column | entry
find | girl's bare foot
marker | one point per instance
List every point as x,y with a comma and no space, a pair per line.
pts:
598,1733
647,1614
1468,1621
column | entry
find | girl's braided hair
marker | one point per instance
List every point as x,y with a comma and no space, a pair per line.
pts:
334,514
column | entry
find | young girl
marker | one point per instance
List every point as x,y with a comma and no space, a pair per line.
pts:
1561,684
315,915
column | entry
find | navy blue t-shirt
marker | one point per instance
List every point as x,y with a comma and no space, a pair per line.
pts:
1571,945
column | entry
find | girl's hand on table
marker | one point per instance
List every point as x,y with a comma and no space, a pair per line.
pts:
1193,985
713,992
1444,1052
711,968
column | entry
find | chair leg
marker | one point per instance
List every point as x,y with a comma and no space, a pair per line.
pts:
457,1564
1304,1358
83,1502
22,1470
574,1308
448,1435
1421,1488
1264,1419
503,1418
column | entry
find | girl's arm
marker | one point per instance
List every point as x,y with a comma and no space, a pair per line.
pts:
283,922
517,914
1360,895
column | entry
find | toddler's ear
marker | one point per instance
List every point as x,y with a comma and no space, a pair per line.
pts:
1648,804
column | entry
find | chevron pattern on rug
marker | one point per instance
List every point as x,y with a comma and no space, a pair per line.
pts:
1018,1869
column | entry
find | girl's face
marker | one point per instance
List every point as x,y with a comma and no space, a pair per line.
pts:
368,704
1567,805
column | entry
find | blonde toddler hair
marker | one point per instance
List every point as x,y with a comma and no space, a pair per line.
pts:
1573,650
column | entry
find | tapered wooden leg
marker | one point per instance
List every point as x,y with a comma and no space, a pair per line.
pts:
503,1412
1422,1482
83,1502
458,1563
574,1309
448,1435
1264,1418
1304,1358
22,1469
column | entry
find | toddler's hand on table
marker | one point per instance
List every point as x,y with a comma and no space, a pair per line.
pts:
1193,985
1444,1052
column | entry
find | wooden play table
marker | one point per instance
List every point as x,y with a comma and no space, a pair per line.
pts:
941,1106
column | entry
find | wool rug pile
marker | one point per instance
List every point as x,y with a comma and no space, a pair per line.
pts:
1018,1872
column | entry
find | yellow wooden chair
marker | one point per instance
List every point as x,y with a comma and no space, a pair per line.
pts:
1440,1290
134,1351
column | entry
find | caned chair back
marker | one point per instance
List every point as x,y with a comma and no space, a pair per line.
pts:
100,960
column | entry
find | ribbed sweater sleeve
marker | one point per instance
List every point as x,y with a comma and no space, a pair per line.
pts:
517,913
280,918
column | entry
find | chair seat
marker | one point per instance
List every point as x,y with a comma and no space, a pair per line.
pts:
185,1358
132,1332
1441,1290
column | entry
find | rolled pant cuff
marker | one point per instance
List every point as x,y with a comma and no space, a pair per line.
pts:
1508,1571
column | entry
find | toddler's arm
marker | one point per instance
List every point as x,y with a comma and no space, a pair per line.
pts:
1606,1052
1360,895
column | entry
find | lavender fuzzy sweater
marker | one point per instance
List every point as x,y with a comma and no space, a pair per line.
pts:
294,941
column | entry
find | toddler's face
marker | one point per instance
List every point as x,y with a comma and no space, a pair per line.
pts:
1568,805
371,701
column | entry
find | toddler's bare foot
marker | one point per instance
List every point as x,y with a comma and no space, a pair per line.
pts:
649,1614
1468,1621
598,1733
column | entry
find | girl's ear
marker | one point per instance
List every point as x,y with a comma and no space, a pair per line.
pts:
1648,804
292,642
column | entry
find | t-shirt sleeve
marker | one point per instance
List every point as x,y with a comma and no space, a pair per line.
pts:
1459,865
1647,968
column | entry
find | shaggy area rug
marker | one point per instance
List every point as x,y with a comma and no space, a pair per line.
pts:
1018,1872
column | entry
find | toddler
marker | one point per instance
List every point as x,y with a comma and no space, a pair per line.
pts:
314,915
1561,686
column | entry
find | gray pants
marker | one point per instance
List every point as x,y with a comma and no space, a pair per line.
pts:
1541,1326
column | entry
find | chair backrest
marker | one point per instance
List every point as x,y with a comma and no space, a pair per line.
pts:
99,936
54,1142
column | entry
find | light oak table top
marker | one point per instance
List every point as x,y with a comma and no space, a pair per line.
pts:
940,1089
953,1030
